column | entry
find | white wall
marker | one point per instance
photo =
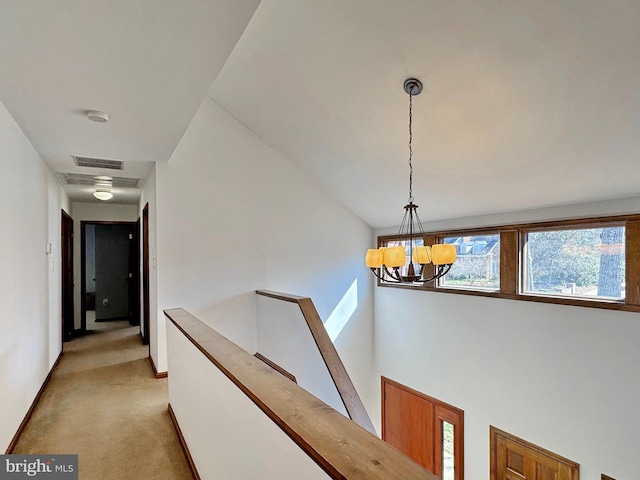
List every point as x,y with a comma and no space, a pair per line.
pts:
81,212
30,299
234,216
565,378
229,437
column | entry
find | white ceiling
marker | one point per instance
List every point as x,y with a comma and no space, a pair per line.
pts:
526,104
148,64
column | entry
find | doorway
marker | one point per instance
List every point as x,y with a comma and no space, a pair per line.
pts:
109,275
66,263
427,430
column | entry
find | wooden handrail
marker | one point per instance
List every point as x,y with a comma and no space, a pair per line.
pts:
343,449
344,385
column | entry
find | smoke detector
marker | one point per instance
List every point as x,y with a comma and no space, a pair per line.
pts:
97,116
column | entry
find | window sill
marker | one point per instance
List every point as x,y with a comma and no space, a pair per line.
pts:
619,301
527,297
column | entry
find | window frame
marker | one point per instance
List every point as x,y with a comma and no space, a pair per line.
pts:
523,264
476,233
512,244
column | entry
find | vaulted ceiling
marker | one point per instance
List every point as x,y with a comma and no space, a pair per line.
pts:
526,104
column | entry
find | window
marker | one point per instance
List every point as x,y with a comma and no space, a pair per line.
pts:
584,262
581,262
477,265
448,450
402,243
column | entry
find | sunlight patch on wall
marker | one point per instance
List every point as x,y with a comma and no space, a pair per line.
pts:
343,312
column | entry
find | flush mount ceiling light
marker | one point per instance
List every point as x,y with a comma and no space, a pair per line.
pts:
103,195
97,116
407,262
103,184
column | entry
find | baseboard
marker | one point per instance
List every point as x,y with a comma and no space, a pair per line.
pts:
183,444
33,406
155,370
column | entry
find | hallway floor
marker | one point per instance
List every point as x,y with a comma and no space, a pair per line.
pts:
104,404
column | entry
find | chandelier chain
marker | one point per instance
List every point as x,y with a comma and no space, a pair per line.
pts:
410,148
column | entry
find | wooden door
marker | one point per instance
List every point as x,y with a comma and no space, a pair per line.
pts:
428,431
145,275
408,425
67,277
113,242
515,459
134,274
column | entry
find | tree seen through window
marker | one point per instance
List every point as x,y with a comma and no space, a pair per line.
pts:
583,262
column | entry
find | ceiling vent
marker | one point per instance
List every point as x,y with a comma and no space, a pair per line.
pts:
90,180
99,163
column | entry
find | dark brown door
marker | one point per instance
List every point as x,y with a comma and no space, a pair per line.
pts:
113,245
67,276
134,276
515,459
428,431
109,270
145,274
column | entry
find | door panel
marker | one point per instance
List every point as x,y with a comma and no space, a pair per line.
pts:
68,321
146,305
515,459
134,276
409,421
428,431
515,464
112,270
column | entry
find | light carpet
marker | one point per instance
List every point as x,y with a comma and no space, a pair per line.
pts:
104,404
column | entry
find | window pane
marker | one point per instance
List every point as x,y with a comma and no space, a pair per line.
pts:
404,271
477,265
448,460
586,262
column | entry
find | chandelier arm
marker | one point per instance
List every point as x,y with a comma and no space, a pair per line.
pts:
375,271
442,271
395,275
403,225
412,210
418,223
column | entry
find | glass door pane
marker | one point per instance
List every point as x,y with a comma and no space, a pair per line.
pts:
448,471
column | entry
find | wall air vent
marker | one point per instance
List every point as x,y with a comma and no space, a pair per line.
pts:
90,180
99,163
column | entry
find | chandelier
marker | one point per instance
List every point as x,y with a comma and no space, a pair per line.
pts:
407,264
